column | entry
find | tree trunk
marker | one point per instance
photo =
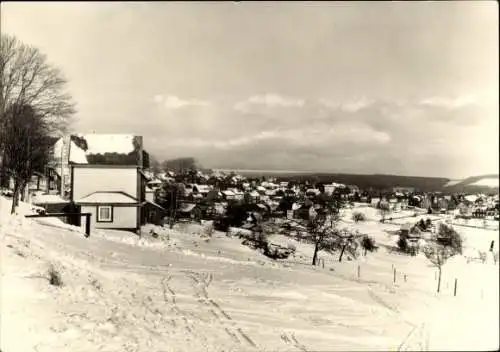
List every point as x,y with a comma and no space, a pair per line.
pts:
23,192
439,280
342,252
315,256
15,197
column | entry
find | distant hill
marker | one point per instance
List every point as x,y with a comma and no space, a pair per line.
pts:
374,181
482,184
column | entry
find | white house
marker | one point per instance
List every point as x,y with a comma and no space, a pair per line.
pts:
113,194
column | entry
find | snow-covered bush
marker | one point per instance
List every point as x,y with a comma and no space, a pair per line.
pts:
358,216
291,247
208,230
403,244
54,276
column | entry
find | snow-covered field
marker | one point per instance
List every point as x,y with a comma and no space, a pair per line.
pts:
488,182
184,291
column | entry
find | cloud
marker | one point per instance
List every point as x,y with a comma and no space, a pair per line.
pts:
268,101
357,135
351,106
449,103
174,102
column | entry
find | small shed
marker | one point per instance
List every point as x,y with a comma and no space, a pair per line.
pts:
153,213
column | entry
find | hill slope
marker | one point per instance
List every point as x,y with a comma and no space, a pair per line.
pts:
182,292
482,183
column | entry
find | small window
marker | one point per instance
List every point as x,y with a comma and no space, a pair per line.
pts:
105,213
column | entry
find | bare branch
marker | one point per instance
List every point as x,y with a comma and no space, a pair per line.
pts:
28,79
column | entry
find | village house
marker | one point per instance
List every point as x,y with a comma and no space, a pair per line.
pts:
465,209
190,211
102,174
113,194
228,195
404,190
154,213
254,196
375,202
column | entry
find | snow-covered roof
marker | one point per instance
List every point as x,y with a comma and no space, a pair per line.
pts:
228,193
313,190
47,199
96,144
107,197
186,207
108,143
471,198
254,194
155,182
153,203
203,188
262,206
296,206
406,226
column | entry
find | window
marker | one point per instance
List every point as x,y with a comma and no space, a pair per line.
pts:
105,213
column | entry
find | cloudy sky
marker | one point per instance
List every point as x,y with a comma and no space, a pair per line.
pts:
402,88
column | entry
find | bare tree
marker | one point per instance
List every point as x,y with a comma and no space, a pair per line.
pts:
26,146
385,210
445,244
27,79
347,239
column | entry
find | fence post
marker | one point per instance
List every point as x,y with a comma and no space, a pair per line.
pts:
359,271
394,276
87,225
405,277
323,262
455,288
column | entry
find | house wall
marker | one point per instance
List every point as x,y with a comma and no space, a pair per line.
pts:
123,217
150,196
88,180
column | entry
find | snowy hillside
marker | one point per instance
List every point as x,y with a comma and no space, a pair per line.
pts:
475,183
184,291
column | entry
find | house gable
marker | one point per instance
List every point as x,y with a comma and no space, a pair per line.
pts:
87,179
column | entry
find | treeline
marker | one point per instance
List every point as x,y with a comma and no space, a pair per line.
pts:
376,181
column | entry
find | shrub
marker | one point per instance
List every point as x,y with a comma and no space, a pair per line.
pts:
428,223
422,225
447,236
403,244
221,224
261,240
358,216
291,247
277,252
368,244
54,277
208,230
